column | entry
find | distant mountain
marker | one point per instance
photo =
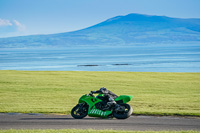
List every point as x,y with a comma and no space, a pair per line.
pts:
121,30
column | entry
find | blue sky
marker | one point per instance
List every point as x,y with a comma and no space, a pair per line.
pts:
28,17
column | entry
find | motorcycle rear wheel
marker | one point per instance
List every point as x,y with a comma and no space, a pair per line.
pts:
79,111
123,114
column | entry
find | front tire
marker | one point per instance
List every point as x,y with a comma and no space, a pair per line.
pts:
80,111
124,111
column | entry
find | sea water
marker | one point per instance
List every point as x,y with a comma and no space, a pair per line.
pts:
104,58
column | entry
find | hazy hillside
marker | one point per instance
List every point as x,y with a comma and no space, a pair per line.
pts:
121,30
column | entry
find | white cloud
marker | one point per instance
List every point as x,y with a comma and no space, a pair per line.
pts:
11,28
5,22
14,24
20,26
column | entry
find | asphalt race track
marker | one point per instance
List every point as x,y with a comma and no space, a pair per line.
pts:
42,121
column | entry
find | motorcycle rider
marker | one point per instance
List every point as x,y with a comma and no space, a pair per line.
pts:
108,97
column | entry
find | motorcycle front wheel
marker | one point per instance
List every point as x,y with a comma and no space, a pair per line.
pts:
123,112
80,111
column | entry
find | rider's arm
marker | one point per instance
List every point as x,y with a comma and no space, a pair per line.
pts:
96,91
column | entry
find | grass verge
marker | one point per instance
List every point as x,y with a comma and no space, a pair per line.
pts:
58,91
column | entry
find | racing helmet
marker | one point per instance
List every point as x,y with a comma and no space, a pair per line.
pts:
103,90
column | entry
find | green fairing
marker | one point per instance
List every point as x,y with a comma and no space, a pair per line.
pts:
100,95
91,101
124,98
92,111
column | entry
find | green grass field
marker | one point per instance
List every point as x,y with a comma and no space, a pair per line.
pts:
58,91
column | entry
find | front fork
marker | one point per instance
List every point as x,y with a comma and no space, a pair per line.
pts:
83,106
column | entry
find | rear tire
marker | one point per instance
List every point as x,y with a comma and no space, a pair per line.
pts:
80,111
123,114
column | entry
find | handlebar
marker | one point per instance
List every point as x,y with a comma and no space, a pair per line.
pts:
91,94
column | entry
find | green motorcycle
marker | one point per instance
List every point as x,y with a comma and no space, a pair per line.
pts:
96,107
